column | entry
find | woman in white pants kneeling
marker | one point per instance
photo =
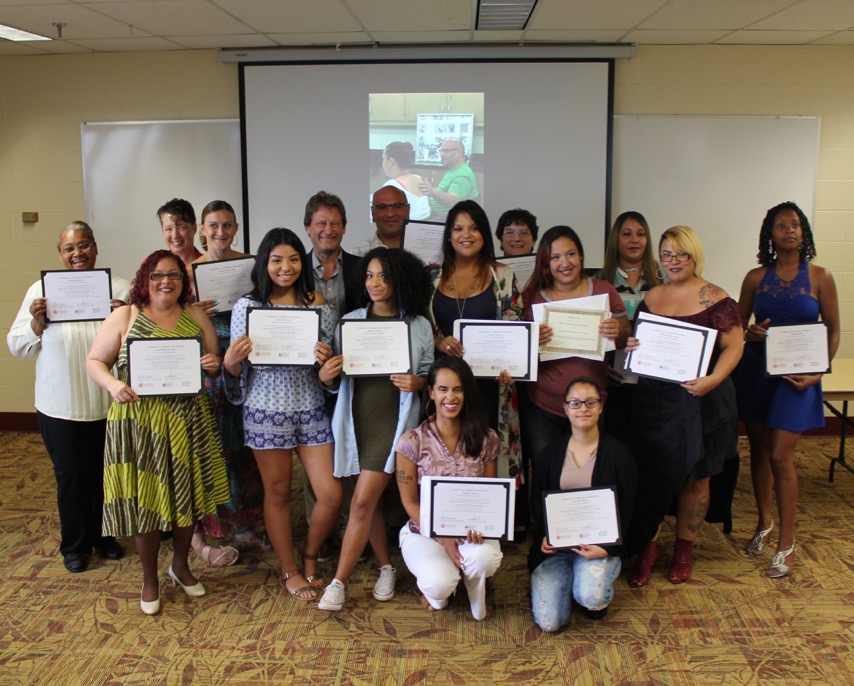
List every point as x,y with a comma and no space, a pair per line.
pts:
456,441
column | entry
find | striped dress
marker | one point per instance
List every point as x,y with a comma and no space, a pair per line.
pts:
163,465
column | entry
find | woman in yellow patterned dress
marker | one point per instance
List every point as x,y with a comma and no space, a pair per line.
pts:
163,466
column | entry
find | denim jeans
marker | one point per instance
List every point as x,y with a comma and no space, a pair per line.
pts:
564,576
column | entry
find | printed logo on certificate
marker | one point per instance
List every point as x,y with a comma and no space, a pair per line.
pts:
584,515
165,366
575,330
76,295
283,336
797,349
454,505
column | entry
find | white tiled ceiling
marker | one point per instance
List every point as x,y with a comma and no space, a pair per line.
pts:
131,25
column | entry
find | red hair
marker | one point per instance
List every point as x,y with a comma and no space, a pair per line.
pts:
139,294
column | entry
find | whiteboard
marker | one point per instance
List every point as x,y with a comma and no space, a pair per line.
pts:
718,175
130,169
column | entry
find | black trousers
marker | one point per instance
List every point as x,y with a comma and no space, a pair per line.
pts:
76,450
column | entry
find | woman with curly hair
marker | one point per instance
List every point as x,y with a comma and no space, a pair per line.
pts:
785,289
373,412
283,408
163,467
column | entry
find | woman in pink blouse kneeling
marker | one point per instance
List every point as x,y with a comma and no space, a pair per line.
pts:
456,441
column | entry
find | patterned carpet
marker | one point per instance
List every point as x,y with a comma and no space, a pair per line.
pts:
730,625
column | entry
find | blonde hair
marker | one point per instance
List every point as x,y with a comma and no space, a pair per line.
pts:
685,239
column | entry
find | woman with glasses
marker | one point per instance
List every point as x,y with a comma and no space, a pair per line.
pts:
785,289
398,158
683,433
163,467
586,458
70,408
517,232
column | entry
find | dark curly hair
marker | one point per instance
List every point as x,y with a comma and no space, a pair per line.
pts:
139,294
517,216
410,281
263,287
767,252
486,257
474,426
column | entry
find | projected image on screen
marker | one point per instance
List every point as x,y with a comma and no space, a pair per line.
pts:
430,146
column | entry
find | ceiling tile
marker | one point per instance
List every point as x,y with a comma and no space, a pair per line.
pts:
320,38
8,47
246,40
587,36
127,44
749,37
291,16
167,17
711,15
644,37
429,15
591,14
833,15
80,22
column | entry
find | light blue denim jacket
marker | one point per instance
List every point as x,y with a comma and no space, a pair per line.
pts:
346,461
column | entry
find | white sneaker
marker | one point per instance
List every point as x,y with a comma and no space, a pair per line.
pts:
384,588
333,597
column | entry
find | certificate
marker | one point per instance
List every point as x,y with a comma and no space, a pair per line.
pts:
585,515
492,346
522,266
165,366
455,505
283,336
797,349
225,281
424,240
576,330
592,303
375,348
76,295
671,350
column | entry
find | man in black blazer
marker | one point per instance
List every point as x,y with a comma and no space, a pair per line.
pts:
326,223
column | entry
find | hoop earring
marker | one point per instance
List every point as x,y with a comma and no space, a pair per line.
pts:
660,273
234,241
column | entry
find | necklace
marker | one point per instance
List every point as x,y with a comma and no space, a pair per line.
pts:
632,270
472,288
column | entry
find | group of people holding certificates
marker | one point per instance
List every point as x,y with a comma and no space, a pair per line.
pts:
588,407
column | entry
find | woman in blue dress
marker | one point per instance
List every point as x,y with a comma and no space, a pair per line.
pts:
785,289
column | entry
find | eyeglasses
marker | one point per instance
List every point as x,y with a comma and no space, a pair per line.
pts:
159,276
516,232
82,245
390,206
590,403
441,150
674,257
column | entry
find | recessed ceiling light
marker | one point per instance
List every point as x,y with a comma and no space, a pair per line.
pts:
9,33
496,15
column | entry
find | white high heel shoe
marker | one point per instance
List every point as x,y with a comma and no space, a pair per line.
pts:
149,607
194,591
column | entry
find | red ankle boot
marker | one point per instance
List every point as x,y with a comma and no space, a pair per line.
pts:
639,576
683,558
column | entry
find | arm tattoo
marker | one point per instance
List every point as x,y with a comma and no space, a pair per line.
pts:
403,477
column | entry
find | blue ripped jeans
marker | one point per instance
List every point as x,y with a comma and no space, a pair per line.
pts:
564,576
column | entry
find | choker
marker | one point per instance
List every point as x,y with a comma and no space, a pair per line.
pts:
631,270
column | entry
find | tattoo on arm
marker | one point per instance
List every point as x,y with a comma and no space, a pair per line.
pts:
403,477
